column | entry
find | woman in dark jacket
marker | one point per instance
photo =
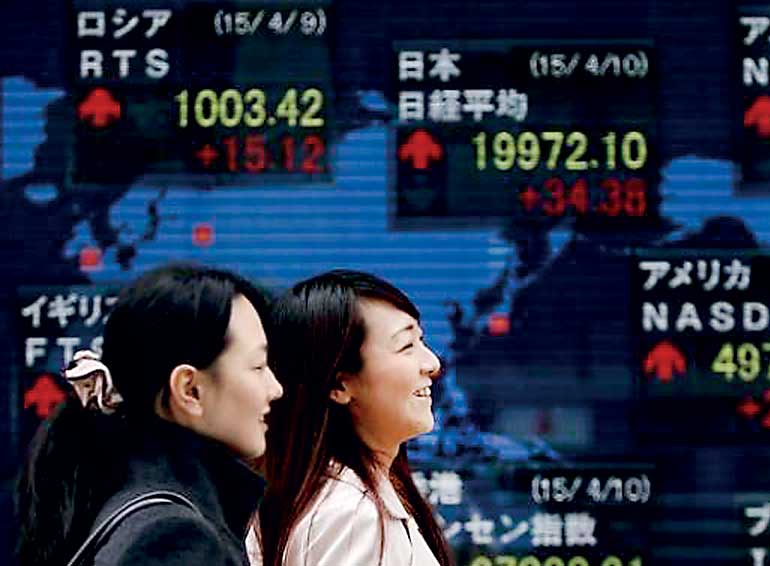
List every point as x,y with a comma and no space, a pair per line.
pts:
176,404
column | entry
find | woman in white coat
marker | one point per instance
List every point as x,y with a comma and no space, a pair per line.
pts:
357,376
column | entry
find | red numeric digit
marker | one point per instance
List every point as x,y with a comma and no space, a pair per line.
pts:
578,196
556,205
636,197
613,203
255,154
314,150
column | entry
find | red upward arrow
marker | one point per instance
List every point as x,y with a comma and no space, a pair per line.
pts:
44,395
759,115
663,360
99,108
420,148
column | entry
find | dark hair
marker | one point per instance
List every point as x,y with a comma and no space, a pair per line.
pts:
172,315
317,332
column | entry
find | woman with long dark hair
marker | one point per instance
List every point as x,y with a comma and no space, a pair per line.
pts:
150,451
358,375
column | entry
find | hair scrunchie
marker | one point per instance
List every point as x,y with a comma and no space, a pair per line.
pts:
92,382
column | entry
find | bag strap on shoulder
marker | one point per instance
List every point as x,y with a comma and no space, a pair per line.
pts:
103,530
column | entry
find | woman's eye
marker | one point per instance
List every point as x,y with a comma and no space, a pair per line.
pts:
406,347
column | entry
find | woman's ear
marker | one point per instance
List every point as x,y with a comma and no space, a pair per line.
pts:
184,391
340,393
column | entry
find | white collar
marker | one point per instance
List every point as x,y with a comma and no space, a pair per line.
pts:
385,490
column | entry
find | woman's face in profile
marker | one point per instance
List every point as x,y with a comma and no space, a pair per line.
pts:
242,385
390,398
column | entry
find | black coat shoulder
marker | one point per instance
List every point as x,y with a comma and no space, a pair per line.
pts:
169,535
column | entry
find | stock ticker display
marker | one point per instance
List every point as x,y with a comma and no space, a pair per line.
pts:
211,88
575,194
484,130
